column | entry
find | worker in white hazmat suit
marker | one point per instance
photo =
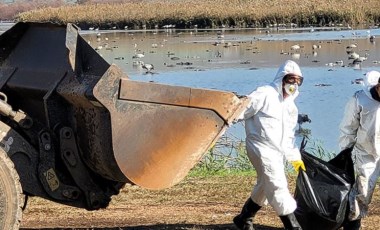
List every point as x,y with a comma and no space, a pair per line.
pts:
270,122
360,129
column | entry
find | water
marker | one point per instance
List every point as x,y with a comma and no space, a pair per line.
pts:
241,60
250,59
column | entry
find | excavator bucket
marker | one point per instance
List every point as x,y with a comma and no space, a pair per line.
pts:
145,133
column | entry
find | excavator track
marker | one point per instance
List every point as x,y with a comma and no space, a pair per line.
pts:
11,197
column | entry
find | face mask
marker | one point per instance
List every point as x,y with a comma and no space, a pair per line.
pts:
290,89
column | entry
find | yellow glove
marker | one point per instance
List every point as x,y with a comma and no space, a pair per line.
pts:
298,164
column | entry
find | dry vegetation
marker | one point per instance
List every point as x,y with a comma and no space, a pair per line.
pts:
209,13
196,203
9,11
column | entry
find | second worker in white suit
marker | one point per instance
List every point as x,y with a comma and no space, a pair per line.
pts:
360,130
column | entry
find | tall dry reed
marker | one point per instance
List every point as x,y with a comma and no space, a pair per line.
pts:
210,13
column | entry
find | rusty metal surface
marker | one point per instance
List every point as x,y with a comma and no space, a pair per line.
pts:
159,131
164,142
224,103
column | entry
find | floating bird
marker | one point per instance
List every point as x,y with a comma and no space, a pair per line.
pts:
351,46
302,118
137,63
353,55
168,26
357,81
340,62
322,85
295,47
139,55
148,67
360,59
184,63
227,44
220,36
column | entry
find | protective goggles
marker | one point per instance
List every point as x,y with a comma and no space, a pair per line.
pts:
293,79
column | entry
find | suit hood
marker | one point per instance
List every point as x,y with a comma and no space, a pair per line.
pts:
289,67
370,80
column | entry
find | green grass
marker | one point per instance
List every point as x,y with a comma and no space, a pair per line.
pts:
196,172
229,157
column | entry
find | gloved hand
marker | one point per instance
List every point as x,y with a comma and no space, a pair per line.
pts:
297,165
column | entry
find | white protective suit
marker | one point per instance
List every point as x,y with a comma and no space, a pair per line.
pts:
270,123
360,129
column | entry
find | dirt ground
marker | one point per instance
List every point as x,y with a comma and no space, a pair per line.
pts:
196,203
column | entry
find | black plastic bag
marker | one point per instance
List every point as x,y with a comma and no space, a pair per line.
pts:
322,191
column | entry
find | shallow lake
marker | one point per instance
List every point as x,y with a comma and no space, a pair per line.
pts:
241,60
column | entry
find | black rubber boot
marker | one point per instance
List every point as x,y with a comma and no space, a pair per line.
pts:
352,225
244,220
290,222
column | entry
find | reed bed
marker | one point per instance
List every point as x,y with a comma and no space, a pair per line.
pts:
229,155
210,13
